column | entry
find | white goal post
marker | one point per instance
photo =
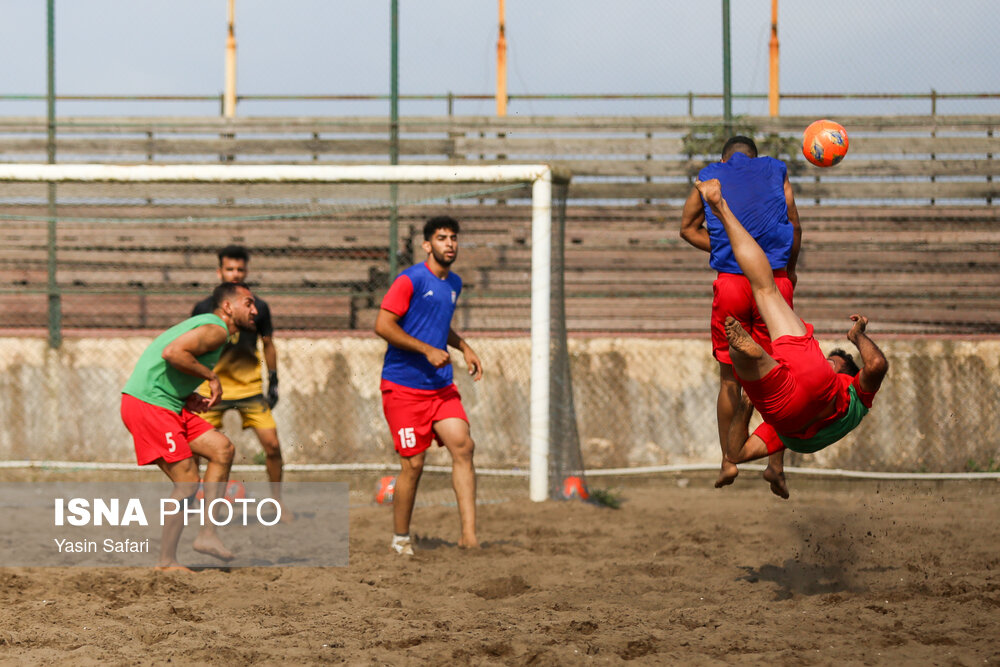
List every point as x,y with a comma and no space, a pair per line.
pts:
540,176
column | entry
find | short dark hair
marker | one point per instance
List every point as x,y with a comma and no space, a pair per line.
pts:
440,222
850,366
233,252
226,291
741,144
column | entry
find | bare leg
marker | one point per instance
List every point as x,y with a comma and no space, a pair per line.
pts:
184,475
454,434
219,451
275,466
750,361
774,474
781,320
745,447
729,398
405,493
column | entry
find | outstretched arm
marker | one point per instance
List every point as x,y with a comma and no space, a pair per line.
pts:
693,222
874,364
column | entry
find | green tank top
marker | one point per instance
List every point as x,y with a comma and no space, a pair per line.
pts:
156,382
828,435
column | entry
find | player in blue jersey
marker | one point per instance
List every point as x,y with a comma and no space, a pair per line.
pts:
419,398
760,195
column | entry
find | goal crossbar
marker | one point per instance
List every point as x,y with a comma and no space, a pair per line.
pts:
207,173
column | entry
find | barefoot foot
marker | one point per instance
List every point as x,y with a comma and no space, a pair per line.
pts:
468,543
212,546
779,486
727,474
741,340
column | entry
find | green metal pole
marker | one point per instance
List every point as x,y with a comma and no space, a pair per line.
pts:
394,140
727,73
55,307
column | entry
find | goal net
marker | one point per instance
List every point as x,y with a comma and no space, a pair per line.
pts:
106,251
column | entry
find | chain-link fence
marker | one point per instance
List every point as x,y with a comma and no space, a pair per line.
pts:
639,401
637,303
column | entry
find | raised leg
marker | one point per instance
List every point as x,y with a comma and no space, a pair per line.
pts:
750,361
781,320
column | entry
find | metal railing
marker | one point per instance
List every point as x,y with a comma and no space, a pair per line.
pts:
932,97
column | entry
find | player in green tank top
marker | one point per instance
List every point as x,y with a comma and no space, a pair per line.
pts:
159,407
159,383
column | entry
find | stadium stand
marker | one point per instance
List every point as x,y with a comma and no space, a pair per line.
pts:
905,229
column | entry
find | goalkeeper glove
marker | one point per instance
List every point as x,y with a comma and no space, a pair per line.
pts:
272,388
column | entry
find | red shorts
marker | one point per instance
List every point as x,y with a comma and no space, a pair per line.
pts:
798,388
411,414
159,433
770,437
732,296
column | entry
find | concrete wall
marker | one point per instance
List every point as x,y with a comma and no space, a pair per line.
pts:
639,402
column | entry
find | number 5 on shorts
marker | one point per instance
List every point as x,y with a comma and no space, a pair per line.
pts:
407,438
170,441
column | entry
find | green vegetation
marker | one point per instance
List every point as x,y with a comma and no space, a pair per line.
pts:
991,466
606,498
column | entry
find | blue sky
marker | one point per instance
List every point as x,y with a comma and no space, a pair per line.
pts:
162,47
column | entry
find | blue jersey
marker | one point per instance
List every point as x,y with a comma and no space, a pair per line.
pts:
425,304
755,190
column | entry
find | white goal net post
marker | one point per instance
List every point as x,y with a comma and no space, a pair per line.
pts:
545,351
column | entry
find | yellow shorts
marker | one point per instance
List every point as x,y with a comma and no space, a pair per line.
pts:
254,409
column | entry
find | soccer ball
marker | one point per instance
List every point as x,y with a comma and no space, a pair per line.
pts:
824,143
385,489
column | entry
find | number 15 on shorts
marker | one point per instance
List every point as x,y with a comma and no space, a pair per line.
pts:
407,438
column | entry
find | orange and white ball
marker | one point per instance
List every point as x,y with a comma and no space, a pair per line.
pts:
825,143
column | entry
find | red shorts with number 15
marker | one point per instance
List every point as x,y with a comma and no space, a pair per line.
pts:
411,414
159,433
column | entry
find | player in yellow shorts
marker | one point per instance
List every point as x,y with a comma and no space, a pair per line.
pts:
239,371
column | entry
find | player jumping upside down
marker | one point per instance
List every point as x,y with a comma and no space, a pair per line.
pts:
806,404
758,189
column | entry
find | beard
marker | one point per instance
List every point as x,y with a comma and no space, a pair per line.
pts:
248,324
442,260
